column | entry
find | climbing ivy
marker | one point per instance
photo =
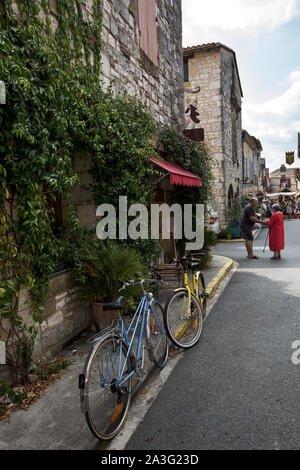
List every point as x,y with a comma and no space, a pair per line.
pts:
55,106
193,156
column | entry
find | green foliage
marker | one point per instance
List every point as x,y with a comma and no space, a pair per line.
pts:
53,105
7,391
195,157
97,269
55,369
235,213
124,167
192,156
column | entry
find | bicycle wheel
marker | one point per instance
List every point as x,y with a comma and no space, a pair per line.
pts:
202,294
156,335
183,319
106,402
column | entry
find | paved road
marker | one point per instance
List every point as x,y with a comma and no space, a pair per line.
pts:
238,388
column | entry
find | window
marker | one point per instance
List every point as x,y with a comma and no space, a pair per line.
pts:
148,29
186,69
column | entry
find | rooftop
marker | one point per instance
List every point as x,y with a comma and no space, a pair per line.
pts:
255,142
289,172
209,46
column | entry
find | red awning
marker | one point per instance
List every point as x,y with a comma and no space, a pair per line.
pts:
179,175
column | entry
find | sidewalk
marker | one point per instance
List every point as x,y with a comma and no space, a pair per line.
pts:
255,232
55,421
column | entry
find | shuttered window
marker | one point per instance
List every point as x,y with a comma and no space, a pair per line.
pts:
148,29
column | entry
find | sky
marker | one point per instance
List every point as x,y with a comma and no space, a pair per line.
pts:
265,35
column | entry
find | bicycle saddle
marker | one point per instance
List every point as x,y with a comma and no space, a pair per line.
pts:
195,266
115,305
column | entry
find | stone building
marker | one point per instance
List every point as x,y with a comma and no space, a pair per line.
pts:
285,180
252,165
142,52
213,94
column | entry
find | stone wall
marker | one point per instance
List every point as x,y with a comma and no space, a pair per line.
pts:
211,69
231,96
122,59
65,316
161,88
205,72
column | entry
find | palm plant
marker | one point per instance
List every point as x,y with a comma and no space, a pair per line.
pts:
105,267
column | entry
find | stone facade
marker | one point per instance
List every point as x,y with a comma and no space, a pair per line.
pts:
123,61
213,69
285,179
159,83
160,86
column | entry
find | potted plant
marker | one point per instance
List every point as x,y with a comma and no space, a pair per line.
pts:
96,267
104,268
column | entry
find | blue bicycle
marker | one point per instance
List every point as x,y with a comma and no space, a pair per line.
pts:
105,385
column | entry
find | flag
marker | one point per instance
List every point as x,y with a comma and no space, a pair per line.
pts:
290,157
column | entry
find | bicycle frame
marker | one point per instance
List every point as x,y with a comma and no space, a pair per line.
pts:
140,313
192,288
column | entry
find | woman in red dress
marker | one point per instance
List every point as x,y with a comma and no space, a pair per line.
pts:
276,226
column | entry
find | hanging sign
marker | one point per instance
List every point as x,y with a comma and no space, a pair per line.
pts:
290,157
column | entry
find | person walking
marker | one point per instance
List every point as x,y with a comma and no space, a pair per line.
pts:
247,223
276,226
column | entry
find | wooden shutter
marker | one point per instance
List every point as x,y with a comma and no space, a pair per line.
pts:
148,29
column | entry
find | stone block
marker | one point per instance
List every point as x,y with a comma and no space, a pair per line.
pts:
55,319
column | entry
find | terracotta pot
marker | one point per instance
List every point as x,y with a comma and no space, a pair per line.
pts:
103,319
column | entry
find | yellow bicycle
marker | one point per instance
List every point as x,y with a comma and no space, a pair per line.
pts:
185,310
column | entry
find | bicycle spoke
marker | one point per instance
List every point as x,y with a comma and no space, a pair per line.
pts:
183,319
107,402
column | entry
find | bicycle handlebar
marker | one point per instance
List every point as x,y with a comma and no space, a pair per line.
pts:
189,258
140,282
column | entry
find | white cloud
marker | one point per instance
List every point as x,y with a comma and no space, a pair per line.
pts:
276,122
210,19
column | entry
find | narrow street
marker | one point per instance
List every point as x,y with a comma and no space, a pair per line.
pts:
238,388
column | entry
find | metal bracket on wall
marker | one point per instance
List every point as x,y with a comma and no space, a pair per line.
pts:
193,92
161,178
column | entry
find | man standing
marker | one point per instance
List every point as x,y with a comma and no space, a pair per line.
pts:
247,224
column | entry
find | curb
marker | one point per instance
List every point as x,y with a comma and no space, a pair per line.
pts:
241,240
216,281
143,401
